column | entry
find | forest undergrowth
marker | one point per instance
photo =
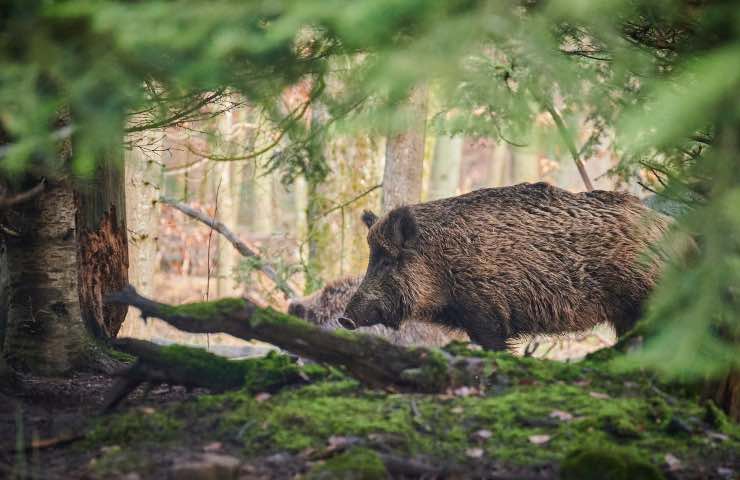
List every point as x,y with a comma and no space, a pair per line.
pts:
533,419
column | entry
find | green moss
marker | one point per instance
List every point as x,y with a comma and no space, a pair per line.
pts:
264,374
433,373
717,418
270,316
135,426
116,461
118,355
206,310
607,464
516,407
198,363
356,464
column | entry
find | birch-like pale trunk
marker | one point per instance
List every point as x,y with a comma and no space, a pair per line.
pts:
445,175
142,217
404,156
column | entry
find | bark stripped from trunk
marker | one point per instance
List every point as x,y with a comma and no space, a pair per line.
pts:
103,247
103,268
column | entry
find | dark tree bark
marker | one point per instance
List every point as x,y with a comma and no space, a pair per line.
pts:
102,248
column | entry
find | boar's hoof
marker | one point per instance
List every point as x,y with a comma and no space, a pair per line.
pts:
347,323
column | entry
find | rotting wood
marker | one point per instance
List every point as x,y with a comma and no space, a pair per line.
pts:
240,246
103,267
372,360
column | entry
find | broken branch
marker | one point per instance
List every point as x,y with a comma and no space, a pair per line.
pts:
241,247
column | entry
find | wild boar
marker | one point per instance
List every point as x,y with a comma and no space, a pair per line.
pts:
501,263
323,308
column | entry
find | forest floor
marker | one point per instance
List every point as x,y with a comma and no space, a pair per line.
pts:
535,419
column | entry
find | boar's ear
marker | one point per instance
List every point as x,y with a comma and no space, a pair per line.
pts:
369,218
402,228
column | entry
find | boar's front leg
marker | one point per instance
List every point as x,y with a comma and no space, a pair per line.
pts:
487,334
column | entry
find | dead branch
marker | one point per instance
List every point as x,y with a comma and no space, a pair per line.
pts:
8,201
568,139
372,360
241,247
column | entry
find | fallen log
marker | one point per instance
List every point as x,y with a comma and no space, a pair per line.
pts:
372,360
197,368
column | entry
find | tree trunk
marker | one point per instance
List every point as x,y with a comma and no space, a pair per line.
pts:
500,171
142,214
68,250
404,157
317,234
226,260
726,394
45,331
103,248
445,175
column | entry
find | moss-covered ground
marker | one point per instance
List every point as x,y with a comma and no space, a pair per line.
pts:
534,412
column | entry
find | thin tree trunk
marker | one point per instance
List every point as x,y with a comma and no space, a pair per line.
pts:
445,175
227,213
526,168
316,234
142,211
404,156
500,168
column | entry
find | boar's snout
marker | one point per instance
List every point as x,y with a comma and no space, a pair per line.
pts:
347,323
361,313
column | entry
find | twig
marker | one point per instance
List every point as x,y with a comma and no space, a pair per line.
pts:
62,133
169,171
531,347
240,246
178,116
58,441
568,139
210,235
350,201
11,200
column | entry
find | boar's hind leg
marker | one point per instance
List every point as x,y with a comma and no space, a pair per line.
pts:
625,318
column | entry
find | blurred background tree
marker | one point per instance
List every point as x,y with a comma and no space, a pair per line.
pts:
656,81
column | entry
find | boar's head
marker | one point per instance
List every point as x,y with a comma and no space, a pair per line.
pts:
396,276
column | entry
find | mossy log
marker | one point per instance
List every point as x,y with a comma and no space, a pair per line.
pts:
197,368
371,360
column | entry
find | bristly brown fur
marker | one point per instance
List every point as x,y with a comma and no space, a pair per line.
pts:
504,262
